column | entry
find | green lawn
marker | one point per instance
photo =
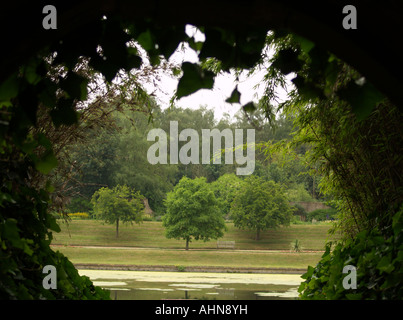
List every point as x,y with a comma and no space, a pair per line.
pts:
175,257
150,234
147,245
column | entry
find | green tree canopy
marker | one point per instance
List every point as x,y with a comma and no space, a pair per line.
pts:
225,189
192,212
260,205
118,204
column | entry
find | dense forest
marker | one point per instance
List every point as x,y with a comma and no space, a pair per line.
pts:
117,155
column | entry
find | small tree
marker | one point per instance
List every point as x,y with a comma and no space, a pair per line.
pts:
260,205
192,212
118,204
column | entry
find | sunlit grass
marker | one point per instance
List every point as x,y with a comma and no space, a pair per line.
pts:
150,234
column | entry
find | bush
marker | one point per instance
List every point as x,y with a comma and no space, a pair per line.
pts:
322,214
299,210
80,205
378,261
78,216
296,220
296,246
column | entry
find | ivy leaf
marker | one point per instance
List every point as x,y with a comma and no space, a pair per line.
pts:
385,265
193,79
11,232
169,39
133,59
114,50
287,61
52,223
64,113
235,96
362,98
47,162
249,107
145,39
9,88
30,72
219,44
75,86
28,101
107,69
305,44
249,47
308,273
307,89
196,46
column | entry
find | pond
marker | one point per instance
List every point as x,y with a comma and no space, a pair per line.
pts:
153,285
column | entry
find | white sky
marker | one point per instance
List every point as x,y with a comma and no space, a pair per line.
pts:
214,99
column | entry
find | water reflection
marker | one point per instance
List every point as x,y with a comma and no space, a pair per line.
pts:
143,285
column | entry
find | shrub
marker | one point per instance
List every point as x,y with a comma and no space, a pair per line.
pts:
78,216
322,214
181,268
378,261
299,210
296,246
80,204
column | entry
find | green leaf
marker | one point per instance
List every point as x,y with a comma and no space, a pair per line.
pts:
307,89
30,73
287,61
10,232
193,79
305,44
44,141
249,107
52,223
385,265
309,273
235,96
47,162
168,40
145,39
75,86
362,98
133,59
107,69
196,46
64,113
28,100
218,45
9,88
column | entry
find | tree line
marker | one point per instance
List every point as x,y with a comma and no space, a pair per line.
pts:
117,155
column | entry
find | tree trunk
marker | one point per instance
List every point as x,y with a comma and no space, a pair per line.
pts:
117,228
187,243
258,234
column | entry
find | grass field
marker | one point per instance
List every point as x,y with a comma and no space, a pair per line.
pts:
146,244
175,257
150,234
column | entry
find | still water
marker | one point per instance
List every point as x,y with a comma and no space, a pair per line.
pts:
153,285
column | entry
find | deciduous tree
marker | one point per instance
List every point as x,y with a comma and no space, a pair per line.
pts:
192,212
260,205
118,204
